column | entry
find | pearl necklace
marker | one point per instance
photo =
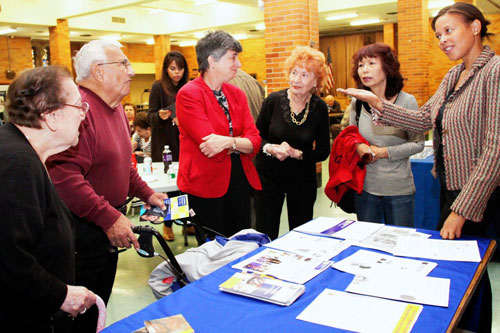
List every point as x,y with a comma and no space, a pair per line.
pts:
292,114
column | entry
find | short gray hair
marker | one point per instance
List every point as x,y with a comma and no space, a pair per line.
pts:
92,53
215,44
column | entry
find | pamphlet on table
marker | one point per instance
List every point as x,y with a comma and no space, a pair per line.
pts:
360,313
369,262
415,289
283,265
177,208
172,324
263,288
438,249
323,248
339,228
386,238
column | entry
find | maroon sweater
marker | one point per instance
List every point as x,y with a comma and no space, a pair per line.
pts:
97,175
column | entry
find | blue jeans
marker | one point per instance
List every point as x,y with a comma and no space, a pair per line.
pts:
393,210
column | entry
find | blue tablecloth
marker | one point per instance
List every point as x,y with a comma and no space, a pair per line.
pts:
427,210
209,310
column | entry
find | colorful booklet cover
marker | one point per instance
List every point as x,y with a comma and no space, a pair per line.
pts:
263,288
177,208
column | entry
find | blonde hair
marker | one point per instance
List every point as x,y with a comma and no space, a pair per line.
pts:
311,59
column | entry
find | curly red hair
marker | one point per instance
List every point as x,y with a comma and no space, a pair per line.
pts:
311,59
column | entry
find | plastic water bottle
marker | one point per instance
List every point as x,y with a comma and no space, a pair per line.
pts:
167,159
148,165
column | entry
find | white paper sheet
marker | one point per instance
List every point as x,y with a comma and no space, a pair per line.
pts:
438,249
385,238
415,289
283,265
343,310
340,228
313,246
369,262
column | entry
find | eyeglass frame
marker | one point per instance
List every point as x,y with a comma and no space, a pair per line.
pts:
85,107
125,63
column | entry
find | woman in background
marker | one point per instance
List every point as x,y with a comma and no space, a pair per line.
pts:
162,115
131,112
141,140
290,121
218,138
37,249
464,116
388,192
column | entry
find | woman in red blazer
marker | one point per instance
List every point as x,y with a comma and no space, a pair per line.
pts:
218,139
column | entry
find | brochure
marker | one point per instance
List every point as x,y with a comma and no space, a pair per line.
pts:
172,324
263,288
339,228
283,265
177,208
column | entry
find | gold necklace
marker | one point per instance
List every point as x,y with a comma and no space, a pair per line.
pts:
292,114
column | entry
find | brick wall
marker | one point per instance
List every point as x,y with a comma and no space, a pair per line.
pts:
60,50
288,24
139,52
20,56
253,58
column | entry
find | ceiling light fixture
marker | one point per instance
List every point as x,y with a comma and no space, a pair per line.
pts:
341,16
260,26
200,34
7,31
112,37
203,2
150,42
439,4
240,36
187,43
156,10
365,22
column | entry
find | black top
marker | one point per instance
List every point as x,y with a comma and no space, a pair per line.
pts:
163,132
275,126
36,238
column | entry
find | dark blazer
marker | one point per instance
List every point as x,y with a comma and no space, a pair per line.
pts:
199,115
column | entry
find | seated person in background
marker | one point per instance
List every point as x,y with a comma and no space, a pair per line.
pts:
131,112
333,105
141,140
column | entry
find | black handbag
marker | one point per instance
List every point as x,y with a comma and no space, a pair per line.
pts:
346,203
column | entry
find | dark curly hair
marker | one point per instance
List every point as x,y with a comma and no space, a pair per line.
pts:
390,66
34,92
141,120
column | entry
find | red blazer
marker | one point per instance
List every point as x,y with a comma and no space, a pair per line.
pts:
346,169
199,115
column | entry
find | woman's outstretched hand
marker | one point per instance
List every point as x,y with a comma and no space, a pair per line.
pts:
364,95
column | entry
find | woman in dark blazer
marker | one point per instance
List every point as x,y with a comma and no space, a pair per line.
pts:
218,138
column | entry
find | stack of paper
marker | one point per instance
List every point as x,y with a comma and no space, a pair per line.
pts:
312,246
360,313
386,238
283,265
340,228
263,288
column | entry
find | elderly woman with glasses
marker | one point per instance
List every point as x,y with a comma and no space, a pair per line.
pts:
36,239
218,138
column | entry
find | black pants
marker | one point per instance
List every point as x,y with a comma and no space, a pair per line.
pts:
481,301
96,262
300,198
231,212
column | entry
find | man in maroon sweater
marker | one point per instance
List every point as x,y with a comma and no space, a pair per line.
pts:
95,177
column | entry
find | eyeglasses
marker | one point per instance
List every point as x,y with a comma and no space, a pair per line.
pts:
125,63
83,108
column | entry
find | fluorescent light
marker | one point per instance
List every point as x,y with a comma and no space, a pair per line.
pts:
156,10
150,42
112,37
200,34
7,31
440,4
365,22
187,43
203,2
341,16
240,36
434,13
260,26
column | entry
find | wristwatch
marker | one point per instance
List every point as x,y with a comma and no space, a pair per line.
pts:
234,144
